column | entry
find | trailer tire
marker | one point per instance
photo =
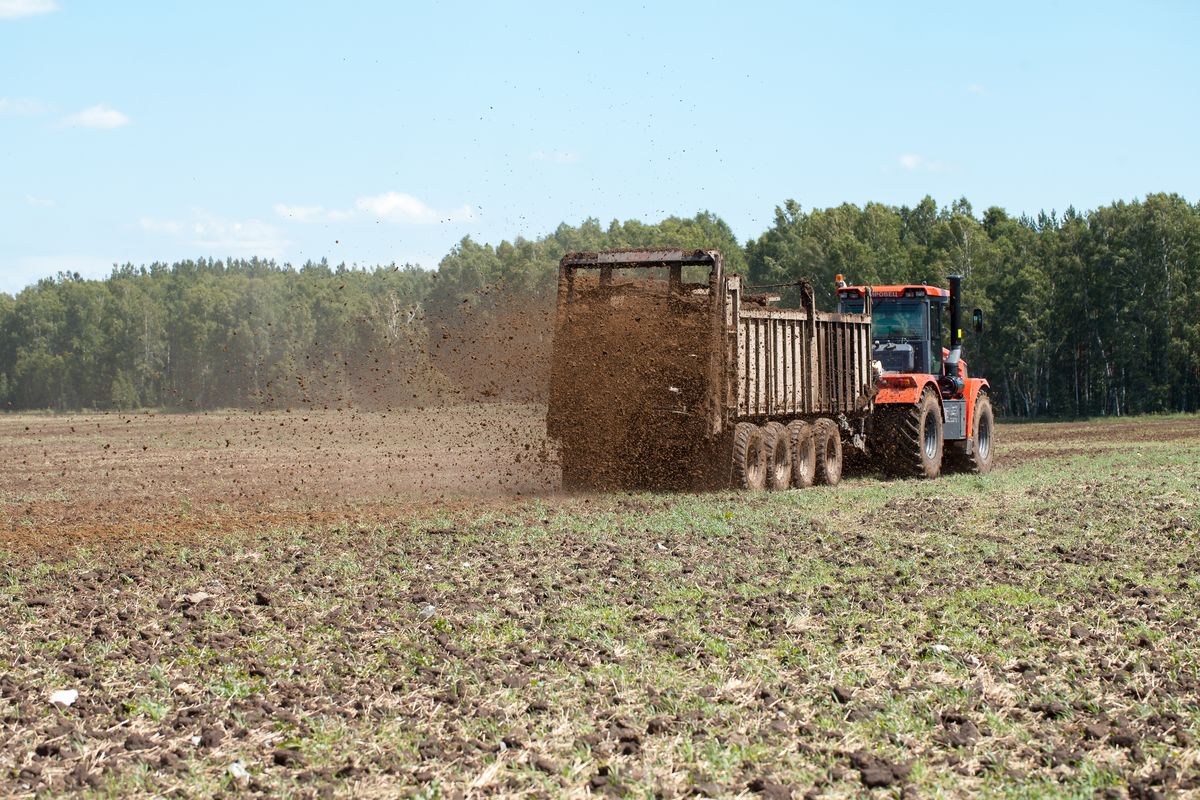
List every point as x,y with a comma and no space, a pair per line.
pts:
983,432
749,457
827,442
804,454
779,456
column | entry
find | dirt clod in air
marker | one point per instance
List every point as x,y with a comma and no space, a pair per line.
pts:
628,386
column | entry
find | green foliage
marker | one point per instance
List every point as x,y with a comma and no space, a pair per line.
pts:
1090,313
211,334
124,395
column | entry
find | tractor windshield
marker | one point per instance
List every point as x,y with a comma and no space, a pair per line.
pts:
905,339
897,319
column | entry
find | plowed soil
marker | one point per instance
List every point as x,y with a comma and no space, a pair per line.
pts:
370,605
71,478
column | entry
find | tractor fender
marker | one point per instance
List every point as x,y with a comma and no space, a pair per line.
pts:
898,390
973,388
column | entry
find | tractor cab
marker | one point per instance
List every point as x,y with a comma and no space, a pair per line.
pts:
906,324
922,378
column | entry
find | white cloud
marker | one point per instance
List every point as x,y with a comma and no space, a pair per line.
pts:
151,225
312,213
400,207
39,202
218,235
554,156
976,88
912,162
251,236
97,117
20,106
11,9
387,207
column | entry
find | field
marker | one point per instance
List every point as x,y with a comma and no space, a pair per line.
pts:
351,604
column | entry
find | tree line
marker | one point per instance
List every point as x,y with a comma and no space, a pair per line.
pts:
1087,313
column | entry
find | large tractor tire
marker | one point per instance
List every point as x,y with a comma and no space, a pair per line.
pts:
911,438
983,432
779,456
804,454
749,457
827,441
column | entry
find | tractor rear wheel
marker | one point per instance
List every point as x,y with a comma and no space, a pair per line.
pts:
779,456
983,431
912,438
804,454
749,457
827,441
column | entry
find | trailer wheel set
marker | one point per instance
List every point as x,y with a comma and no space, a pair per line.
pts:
794,456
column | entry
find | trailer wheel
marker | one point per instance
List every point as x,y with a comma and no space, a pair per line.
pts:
804,454
779,456
828,446
983,432
749,457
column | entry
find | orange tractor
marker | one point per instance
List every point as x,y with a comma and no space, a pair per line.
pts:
928,410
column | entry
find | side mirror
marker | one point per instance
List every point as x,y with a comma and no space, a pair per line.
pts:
977,320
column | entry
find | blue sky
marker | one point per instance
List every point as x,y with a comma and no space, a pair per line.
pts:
373,132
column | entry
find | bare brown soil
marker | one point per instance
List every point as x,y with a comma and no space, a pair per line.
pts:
67,478
396,605
1106,432
1023,442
